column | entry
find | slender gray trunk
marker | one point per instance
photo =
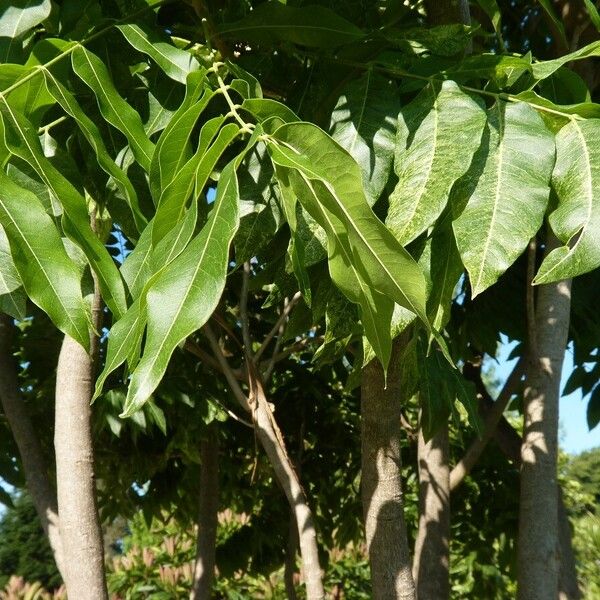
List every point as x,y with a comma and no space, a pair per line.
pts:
307,536
538,561
381,485
80,531
204,571
32,457
432,546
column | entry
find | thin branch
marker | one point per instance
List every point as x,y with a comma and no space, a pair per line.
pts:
282,317
226,369
493,416
296,347
271,363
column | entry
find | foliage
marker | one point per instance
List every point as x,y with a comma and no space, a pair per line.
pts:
25,550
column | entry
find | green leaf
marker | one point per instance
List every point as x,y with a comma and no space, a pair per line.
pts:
504,193
195,173
93,72
174,147
438,134
544,69
364,123
335,180
174,62
187,291
576,220
9,277
593,13
445,269
49,276
442,40
14,304
17,18
124,340
490,8
376,308
265,108
311,26
93,136
22,140
587,110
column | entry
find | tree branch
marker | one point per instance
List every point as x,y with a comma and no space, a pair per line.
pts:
492,417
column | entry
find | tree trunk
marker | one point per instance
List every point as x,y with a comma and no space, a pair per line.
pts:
509,442
271,440
432,546
32,457
381,484
538,513
290,559
80,530
307,535
204,571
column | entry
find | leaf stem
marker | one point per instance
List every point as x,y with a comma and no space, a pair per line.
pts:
248,127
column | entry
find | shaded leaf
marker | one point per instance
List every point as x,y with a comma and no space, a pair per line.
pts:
364,123
312,26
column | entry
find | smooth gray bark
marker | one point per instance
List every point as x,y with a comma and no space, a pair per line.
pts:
538,561
80,531
204,570
32,457
381,485
432,546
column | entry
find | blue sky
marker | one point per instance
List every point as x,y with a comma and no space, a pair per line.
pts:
573,434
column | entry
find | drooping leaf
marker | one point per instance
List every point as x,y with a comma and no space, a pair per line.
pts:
501,200
49,276
587,110
93,72
187,291
438,134
312,26
92,135
364,123
334,179
442,40
22,141
544,69
576,220
174,62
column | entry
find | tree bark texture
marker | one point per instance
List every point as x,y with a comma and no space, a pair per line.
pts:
284,471
204,570
509,441
80,531
538,561
381,486
432,546
30,450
